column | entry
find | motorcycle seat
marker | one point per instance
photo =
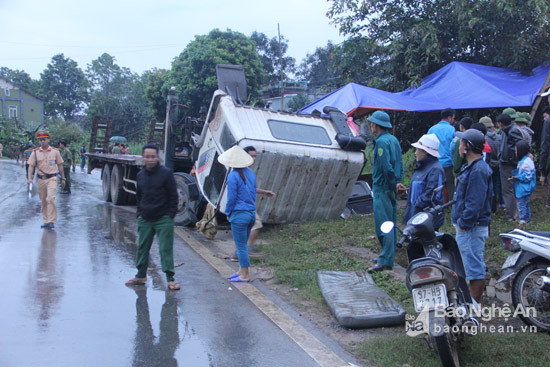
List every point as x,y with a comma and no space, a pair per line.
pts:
540,233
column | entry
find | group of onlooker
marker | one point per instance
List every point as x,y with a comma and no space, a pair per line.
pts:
507,151
483,165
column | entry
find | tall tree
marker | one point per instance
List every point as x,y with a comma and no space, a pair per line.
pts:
117,94
63,86
194,70
156,90
412,38
272,53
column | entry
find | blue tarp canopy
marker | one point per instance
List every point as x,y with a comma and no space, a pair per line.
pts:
458,85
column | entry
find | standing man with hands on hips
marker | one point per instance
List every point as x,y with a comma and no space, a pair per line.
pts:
48,163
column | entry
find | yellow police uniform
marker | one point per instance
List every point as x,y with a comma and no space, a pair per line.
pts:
46,162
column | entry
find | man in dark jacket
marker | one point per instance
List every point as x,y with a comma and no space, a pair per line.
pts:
508,161
427,176
471,214
544,152
157,201
493,138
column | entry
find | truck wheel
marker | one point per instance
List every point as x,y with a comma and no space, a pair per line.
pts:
106,180
188,199
118,195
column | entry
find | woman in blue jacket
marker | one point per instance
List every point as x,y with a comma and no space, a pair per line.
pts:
427,176
241,205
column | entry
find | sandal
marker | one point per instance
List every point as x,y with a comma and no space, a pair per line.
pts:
379,267
173,286
136,281
237,279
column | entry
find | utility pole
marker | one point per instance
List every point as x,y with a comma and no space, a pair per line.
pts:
281,69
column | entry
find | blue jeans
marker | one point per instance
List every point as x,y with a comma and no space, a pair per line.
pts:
471,244
242,222
524,209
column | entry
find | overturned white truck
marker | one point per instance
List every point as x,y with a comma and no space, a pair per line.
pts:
310,162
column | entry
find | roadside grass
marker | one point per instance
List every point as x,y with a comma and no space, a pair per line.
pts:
503,350
297,251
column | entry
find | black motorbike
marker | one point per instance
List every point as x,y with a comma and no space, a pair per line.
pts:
437,280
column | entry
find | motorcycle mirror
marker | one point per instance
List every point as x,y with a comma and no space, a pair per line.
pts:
386,227
435,192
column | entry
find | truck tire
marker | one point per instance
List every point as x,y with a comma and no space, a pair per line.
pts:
118,195
106,180
188,199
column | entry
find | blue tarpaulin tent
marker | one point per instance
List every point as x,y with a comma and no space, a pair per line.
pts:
458,85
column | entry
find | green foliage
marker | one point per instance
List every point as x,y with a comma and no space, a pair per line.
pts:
411,39
319,69
298,101
194,70
67,131
63,86
16,133
271,54
409,164
117,94
156,90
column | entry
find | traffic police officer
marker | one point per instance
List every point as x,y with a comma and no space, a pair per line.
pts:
387,178
48,163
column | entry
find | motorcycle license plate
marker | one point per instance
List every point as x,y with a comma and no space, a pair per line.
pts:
430,297
511,260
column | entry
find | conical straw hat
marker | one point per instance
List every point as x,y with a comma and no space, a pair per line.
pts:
235,157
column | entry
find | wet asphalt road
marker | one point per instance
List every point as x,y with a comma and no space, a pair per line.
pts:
64,302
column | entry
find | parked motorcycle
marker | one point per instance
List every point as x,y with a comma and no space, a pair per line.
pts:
530,263
437,280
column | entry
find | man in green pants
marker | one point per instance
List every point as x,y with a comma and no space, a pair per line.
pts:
387,178
157,201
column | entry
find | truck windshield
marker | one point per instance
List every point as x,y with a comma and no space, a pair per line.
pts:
214,182
292,131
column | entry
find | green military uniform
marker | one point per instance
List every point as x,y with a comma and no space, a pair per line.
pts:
67,159
387,172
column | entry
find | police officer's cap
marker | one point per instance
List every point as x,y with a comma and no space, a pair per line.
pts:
42,134
380,118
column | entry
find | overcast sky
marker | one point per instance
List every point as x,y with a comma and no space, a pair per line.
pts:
143,34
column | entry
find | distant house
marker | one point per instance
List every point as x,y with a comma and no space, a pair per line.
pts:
17,103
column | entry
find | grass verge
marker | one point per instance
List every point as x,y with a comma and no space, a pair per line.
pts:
297,251
503,350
